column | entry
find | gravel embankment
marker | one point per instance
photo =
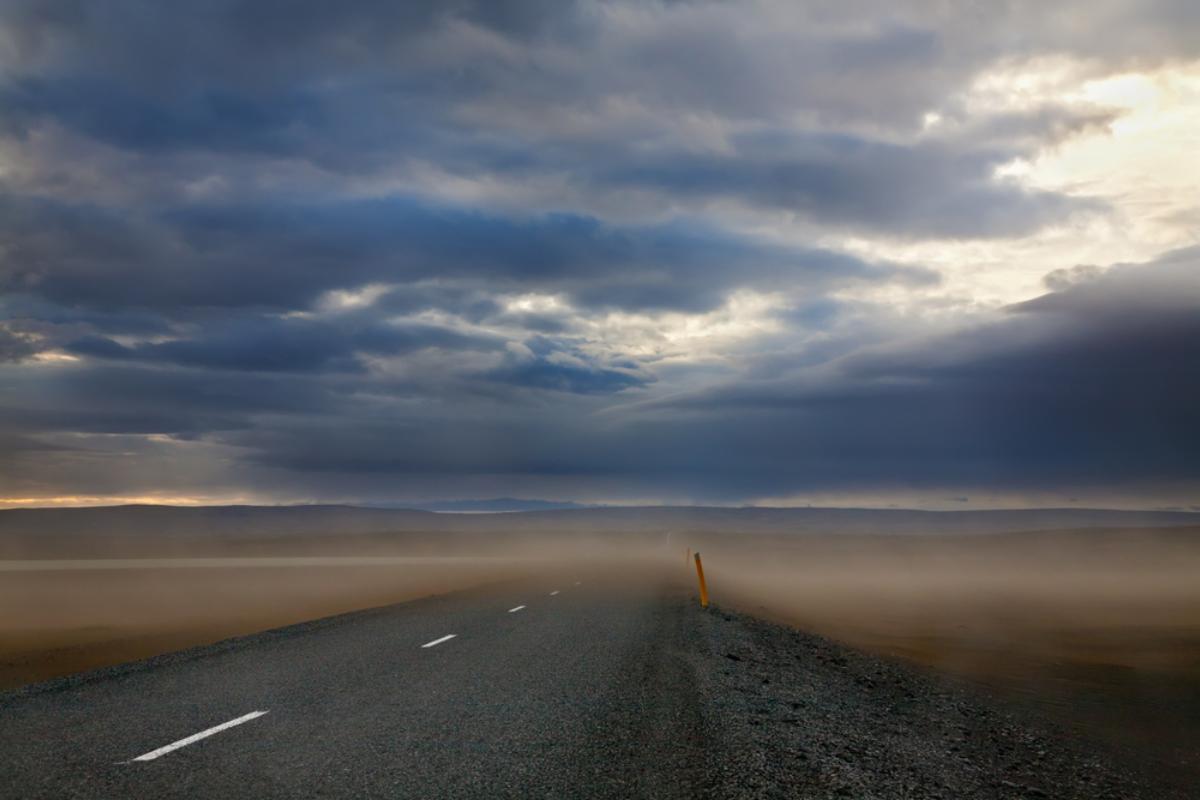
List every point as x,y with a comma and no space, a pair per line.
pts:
798,716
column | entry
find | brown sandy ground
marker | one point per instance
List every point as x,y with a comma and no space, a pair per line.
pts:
59,622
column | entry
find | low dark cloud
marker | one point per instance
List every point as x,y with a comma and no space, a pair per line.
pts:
282,345
543,374
1096,383
561,365
122,399
939,189
15,347
1080,388
284,256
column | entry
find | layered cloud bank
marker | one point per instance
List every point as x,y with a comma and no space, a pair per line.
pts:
608,251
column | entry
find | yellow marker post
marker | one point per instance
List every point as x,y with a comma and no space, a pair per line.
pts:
703,585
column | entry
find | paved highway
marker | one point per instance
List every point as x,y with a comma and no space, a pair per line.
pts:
549,688
575,687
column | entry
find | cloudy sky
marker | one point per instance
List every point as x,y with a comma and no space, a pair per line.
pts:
914,253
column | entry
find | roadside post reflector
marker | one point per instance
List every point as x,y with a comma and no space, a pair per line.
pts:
703,585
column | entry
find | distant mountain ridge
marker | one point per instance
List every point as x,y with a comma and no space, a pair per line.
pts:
237,521
498,505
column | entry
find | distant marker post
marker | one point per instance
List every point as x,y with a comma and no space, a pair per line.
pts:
703,585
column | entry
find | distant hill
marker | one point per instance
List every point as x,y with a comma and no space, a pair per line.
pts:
219,521
141,531
258,521
497,505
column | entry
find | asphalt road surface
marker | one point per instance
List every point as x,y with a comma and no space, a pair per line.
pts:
551,688
579,686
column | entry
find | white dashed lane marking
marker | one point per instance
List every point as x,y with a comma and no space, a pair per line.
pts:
445,638
195,737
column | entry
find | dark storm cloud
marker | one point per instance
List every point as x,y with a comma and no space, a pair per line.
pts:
225,228
47,317
122,399
565,377
226,36
1088,386
560,365
1096,383
310,79
285,345
211,119
329,348
937,189
14,347
478,89
1079,386
285,255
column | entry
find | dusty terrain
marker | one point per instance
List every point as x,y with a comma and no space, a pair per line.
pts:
1096,629
618,686
56,621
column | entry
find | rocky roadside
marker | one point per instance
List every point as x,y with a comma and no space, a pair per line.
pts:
795,715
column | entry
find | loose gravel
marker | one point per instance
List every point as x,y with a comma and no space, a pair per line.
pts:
793,715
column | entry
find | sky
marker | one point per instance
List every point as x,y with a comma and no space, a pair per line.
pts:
916,254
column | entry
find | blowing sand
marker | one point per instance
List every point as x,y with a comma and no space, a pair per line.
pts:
1096,629
61,617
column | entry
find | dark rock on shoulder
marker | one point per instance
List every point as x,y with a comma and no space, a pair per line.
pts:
798,716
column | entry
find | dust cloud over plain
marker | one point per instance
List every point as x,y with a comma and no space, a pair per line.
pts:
61,613
60,621
1097,628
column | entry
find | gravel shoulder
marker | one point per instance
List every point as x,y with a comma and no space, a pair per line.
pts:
796,715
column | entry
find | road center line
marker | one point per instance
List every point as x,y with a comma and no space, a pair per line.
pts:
195,737
518,608
554,593
445,638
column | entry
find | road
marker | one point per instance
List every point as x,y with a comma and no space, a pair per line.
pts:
575,686
563,687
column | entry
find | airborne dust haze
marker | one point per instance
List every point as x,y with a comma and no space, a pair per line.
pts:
1100,627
